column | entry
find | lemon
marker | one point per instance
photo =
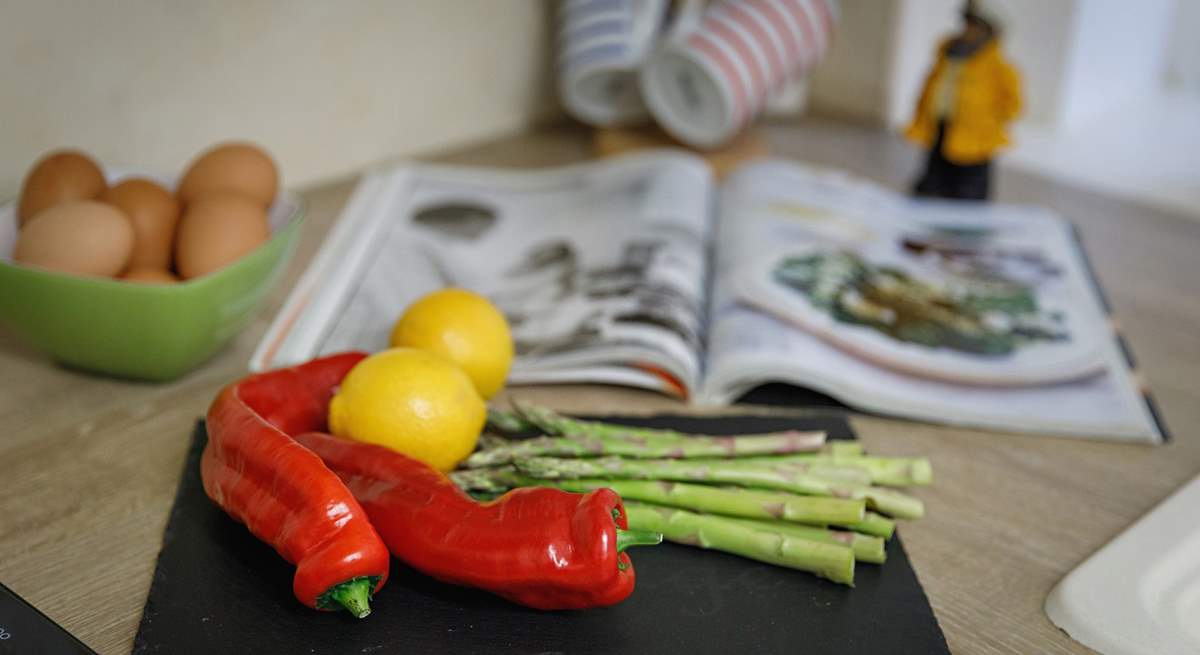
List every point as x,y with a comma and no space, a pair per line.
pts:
414,402
466,329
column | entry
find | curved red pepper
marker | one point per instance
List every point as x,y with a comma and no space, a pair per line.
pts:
539,547
283,493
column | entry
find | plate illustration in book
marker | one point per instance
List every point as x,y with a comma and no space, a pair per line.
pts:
987,330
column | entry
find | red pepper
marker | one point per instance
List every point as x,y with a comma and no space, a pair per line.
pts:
539,547
282,492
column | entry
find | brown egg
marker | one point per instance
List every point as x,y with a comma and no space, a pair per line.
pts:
215,231
149,276
240,167
58,177
85,237
154,211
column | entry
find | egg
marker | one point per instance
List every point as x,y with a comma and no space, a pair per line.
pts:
154,212
216,230
84,237
149,276
235,166
58,177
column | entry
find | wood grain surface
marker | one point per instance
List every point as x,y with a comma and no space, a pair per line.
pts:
88,465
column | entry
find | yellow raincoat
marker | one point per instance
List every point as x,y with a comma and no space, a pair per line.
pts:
987,97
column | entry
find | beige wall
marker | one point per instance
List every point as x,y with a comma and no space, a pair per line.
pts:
327,86
852,80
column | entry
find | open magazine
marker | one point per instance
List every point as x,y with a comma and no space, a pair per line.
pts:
643,271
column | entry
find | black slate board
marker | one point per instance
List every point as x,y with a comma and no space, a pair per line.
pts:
780,394
217,589
25,630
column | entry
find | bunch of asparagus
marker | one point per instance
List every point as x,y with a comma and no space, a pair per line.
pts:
787,498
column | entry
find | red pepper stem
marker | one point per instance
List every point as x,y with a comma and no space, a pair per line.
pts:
354,595
628,538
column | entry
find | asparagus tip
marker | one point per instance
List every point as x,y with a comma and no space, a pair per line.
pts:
922,472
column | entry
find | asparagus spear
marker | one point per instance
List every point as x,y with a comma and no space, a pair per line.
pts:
843,448
497,454
491,480
527,418
509,422
501,452
832,561
887,501
889,471
738,502
818,511
872,523
867,548
665,469
892,471
732,501
831,473
554,424
705,498
491,440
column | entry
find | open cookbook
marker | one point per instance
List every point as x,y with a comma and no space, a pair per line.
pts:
644,271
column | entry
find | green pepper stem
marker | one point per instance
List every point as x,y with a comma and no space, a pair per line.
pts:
354,595
627,538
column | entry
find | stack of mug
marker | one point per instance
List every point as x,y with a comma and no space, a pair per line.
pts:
702,72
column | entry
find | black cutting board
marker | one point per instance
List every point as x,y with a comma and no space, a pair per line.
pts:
217,589
24,630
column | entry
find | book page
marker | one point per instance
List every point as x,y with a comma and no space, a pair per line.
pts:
961,313
598,267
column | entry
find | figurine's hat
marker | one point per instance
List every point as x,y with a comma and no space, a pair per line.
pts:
988,11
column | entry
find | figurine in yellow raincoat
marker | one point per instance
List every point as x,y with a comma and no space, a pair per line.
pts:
969,98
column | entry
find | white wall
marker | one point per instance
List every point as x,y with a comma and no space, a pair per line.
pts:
1183,66
1117,56
884,50
1078,58
326,86
920,26
1104,81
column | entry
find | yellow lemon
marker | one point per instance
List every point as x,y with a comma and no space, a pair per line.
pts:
414,402
466,329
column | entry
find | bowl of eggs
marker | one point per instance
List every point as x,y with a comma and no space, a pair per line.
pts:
138,275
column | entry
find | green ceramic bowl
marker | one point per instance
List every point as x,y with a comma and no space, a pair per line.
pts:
142,331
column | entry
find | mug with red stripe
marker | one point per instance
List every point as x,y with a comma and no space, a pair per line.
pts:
705,84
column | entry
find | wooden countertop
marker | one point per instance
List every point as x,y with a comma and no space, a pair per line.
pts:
90,465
